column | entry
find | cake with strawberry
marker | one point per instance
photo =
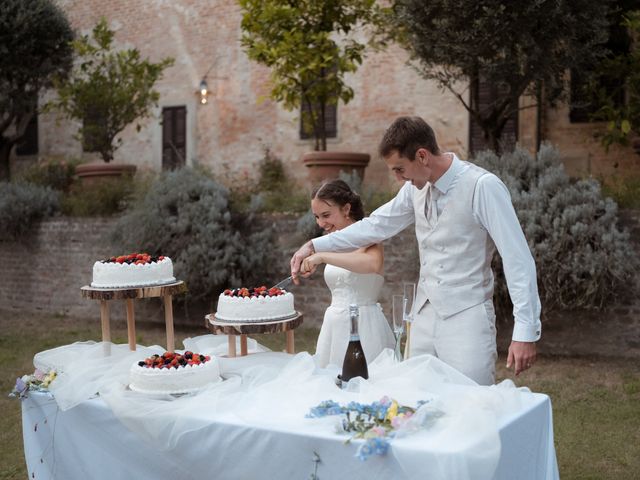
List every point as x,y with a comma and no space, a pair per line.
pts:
260,304
174,373
133,270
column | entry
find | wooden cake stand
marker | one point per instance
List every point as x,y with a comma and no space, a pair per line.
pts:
287,325
166,292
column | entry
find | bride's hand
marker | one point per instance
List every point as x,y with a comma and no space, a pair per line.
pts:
310,264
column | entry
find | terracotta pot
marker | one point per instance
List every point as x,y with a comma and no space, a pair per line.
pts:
89,173
328,165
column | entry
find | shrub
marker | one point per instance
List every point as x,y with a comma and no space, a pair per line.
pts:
23,204
583,260
186,215
272,191
625,191
107,197
55,174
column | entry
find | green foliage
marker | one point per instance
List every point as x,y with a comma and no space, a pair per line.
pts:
107,90
625,191
517,47
55,174
34,47
623,121
21,205
186,215
583,260
272,192
277,192
103,198
310,46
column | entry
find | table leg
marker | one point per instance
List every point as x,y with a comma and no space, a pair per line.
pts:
106,327
131,325
291,347
232,345
168,319
243,345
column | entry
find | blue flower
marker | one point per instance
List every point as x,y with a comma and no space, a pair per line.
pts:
373,446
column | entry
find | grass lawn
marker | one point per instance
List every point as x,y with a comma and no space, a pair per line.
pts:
596,401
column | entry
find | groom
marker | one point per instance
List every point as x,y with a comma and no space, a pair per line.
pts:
462,214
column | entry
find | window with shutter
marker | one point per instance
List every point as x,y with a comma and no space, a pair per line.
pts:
174,137
330,121
487,94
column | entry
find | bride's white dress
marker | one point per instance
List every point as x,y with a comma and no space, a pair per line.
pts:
375,333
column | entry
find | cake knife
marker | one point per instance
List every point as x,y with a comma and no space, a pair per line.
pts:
284,283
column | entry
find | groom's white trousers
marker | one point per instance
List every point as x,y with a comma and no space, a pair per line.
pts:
466,340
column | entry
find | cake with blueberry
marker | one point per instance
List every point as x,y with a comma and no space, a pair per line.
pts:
133,270
260,304
174,373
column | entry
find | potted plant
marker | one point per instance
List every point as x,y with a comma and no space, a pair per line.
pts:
310,48
106,91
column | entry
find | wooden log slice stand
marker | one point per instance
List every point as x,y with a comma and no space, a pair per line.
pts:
218,327
166,292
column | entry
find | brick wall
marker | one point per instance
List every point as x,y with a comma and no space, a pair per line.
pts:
46,271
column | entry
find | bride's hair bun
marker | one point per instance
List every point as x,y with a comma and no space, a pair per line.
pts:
339,192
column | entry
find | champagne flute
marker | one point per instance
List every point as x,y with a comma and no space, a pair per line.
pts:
409,297
408,305
398,317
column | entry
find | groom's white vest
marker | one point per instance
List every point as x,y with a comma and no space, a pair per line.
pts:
455,255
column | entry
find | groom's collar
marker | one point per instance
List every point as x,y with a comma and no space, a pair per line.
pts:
444,182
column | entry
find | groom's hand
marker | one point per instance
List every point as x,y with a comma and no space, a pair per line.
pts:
296,261
522,355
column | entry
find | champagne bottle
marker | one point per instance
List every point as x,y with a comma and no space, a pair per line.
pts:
355,363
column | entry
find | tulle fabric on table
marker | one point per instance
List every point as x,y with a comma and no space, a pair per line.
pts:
276,390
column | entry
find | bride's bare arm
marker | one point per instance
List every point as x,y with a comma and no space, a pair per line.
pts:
363,260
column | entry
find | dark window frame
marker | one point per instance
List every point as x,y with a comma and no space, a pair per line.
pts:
174,141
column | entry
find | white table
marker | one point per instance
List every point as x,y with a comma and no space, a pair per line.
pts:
88,441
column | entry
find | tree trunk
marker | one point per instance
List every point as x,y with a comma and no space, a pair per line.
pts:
5,151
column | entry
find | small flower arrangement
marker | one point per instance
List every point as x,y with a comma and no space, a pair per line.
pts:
377,423
39,381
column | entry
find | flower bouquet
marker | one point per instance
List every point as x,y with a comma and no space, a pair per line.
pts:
39,381
377,423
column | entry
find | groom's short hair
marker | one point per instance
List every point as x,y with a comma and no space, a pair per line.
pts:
406,135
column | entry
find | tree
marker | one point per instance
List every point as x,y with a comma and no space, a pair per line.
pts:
519,47
34,47
623,120
310,45
107,90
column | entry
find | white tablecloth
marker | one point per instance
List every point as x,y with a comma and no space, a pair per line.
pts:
89,441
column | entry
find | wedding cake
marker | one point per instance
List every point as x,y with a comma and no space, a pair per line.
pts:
133,270
259,304
174,373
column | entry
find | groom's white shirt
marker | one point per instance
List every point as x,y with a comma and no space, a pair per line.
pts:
491,208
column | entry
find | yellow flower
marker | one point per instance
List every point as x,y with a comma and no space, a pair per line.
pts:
392,411
51,376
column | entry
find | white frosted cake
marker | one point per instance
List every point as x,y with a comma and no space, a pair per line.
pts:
255,305
174,373
133,270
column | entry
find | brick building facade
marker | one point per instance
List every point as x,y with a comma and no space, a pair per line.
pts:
236,125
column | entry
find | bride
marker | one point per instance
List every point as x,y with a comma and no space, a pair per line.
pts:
354,277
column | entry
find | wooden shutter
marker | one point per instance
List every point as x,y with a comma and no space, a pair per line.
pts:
330,122
174,137
487,93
